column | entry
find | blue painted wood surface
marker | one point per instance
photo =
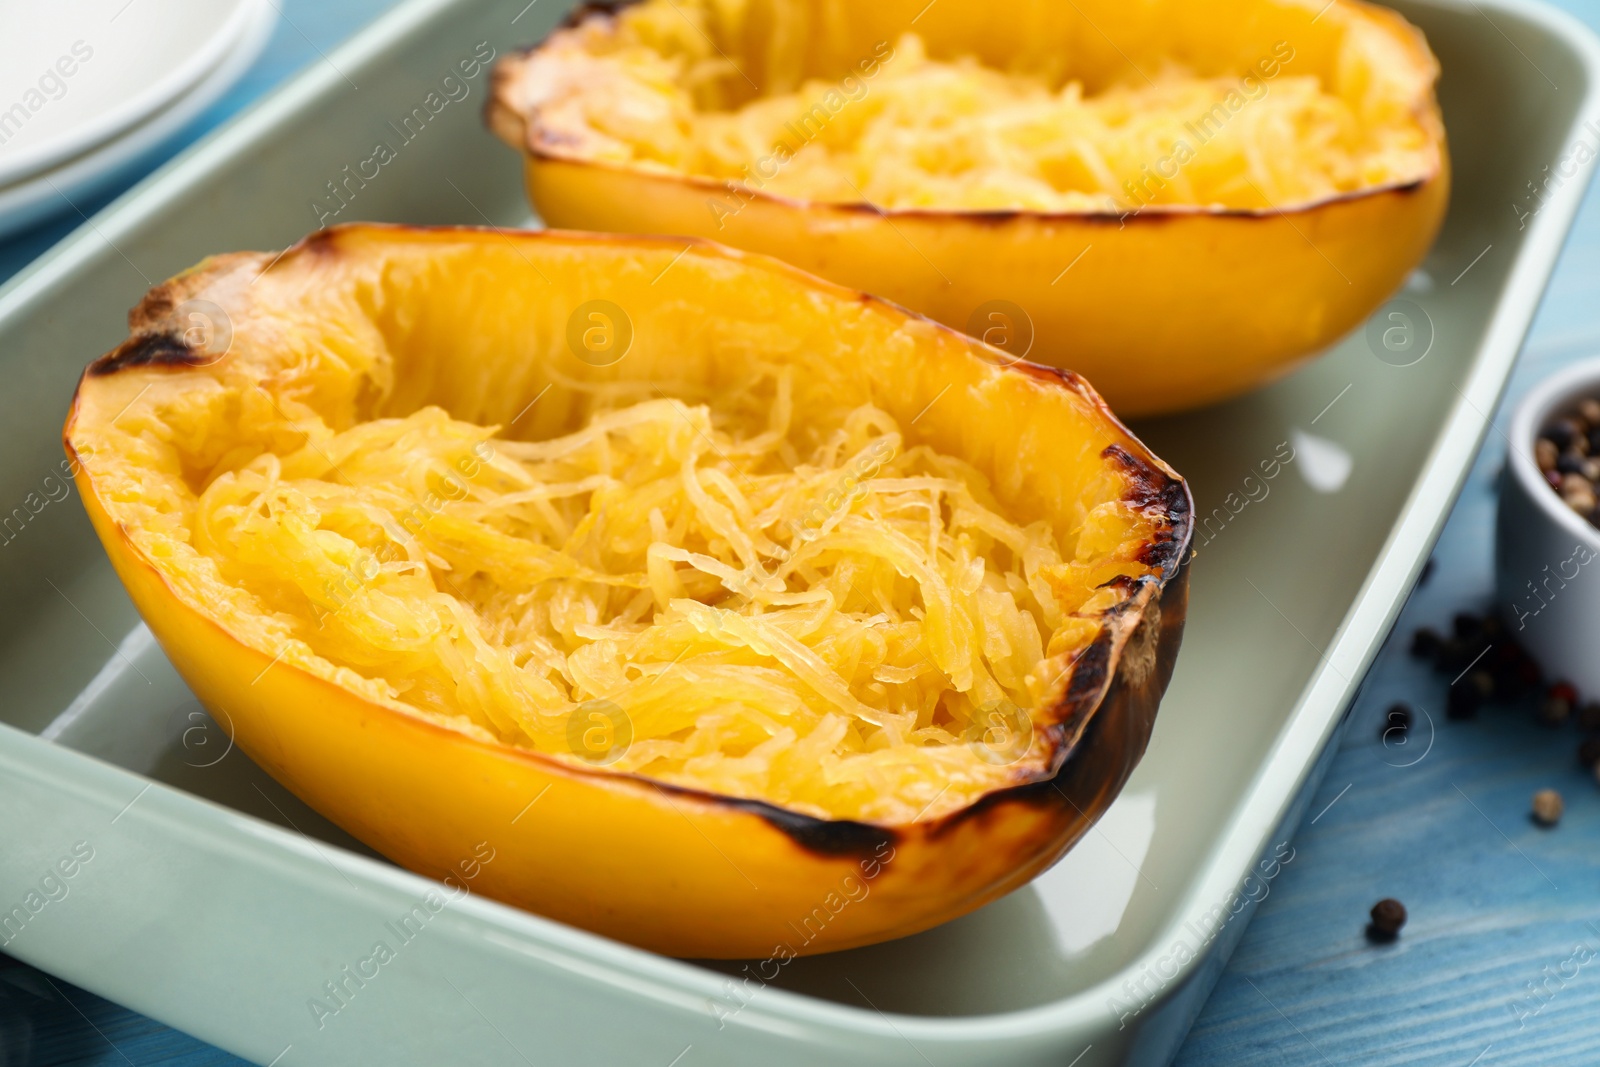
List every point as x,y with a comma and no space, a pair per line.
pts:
1500,961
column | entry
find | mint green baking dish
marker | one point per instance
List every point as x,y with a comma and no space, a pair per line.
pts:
216,902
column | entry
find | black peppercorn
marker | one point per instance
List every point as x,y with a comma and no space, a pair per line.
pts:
1563,431
1463,702
1467,626
1388,916
1589,717
1589,752
1554,710
1505,663
1508,653
1396,722
1455,655
1425,644
1529,674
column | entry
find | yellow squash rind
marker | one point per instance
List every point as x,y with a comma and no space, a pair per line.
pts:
678,871
1165,308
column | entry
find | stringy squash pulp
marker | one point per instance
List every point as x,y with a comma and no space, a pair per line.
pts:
764,583
1177,199
651,89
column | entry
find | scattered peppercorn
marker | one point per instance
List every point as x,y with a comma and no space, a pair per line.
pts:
1463,702
1388,916
1547,807
1589,717
1398,721
1425,643
1490,667
1456,655
1508,663
1553,711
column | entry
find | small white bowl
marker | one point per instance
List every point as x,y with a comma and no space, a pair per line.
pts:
1547,556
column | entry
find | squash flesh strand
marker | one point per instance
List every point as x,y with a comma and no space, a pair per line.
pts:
953,134
825,620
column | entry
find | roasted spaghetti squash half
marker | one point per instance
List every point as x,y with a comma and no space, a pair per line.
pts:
1179,199
700,590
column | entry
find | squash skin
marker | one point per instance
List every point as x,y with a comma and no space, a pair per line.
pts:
1215,337
1244,296
677,871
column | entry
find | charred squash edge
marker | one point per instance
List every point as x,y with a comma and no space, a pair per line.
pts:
1098,673
509,123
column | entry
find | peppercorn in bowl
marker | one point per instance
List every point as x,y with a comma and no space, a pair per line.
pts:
1547,542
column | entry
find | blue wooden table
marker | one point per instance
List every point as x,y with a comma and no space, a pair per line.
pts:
1500,962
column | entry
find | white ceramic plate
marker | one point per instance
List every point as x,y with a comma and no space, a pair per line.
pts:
55,191
76,74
